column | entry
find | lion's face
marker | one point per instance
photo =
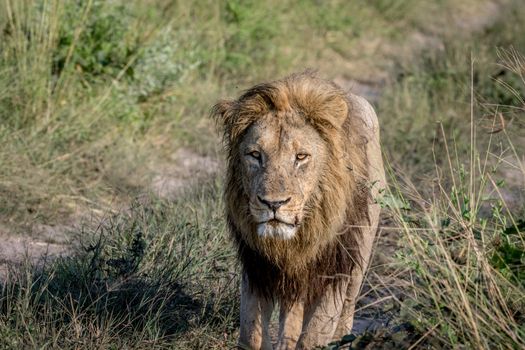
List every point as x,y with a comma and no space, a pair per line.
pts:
282,160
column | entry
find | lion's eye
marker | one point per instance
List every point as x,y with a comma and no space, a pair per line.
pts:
255,154
301,156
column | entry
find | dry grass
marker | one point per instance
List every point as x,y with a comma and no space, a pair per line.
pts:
461,237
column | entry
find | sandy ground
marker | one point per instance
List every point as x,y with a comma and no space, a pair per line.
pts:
43,244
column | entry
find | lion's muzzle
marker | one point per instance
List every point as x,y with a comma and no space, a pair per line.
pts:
273,218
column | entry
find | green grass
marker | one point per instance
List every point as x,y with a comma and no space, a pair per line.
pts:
91,107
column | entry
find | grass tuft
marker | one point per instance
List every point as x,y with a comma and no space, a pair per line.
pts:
150,276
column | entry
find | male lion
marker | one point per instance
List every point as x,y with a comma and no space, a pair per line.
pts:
304,167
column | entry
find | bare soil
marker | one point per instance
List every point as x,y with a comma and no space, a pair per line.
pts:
187,169
44,244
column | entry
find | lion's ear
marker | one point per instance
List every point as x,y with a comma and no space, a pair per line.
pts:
223,114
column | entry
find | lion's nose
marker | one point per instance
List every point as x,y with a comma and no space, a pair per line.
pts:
274,205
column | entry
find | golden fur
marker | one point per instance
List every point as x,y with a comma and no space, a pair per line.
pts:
324,106
327,242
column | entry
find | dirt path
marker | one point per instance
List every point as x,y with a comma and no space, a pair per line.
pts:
46,242
188,168
463,24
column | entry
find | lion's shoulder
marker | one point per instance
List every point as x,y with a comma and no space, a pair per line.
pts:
362,110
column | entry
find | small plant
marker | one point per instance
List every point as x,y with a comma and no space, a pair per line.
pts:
509,252
95,39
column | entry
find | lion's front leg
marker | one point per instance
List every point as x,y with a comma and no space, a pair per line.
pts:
290,325
346,319
321,318
347,315
255,319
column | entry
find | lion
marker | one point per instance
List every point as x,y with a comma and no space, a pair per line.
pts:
304,170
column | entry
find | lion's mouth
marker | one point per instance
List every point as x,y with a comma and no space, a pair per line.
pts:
277,229
276,225
275,222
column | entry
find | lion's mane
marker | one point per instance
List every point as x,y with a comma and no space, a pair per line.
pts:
326,246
